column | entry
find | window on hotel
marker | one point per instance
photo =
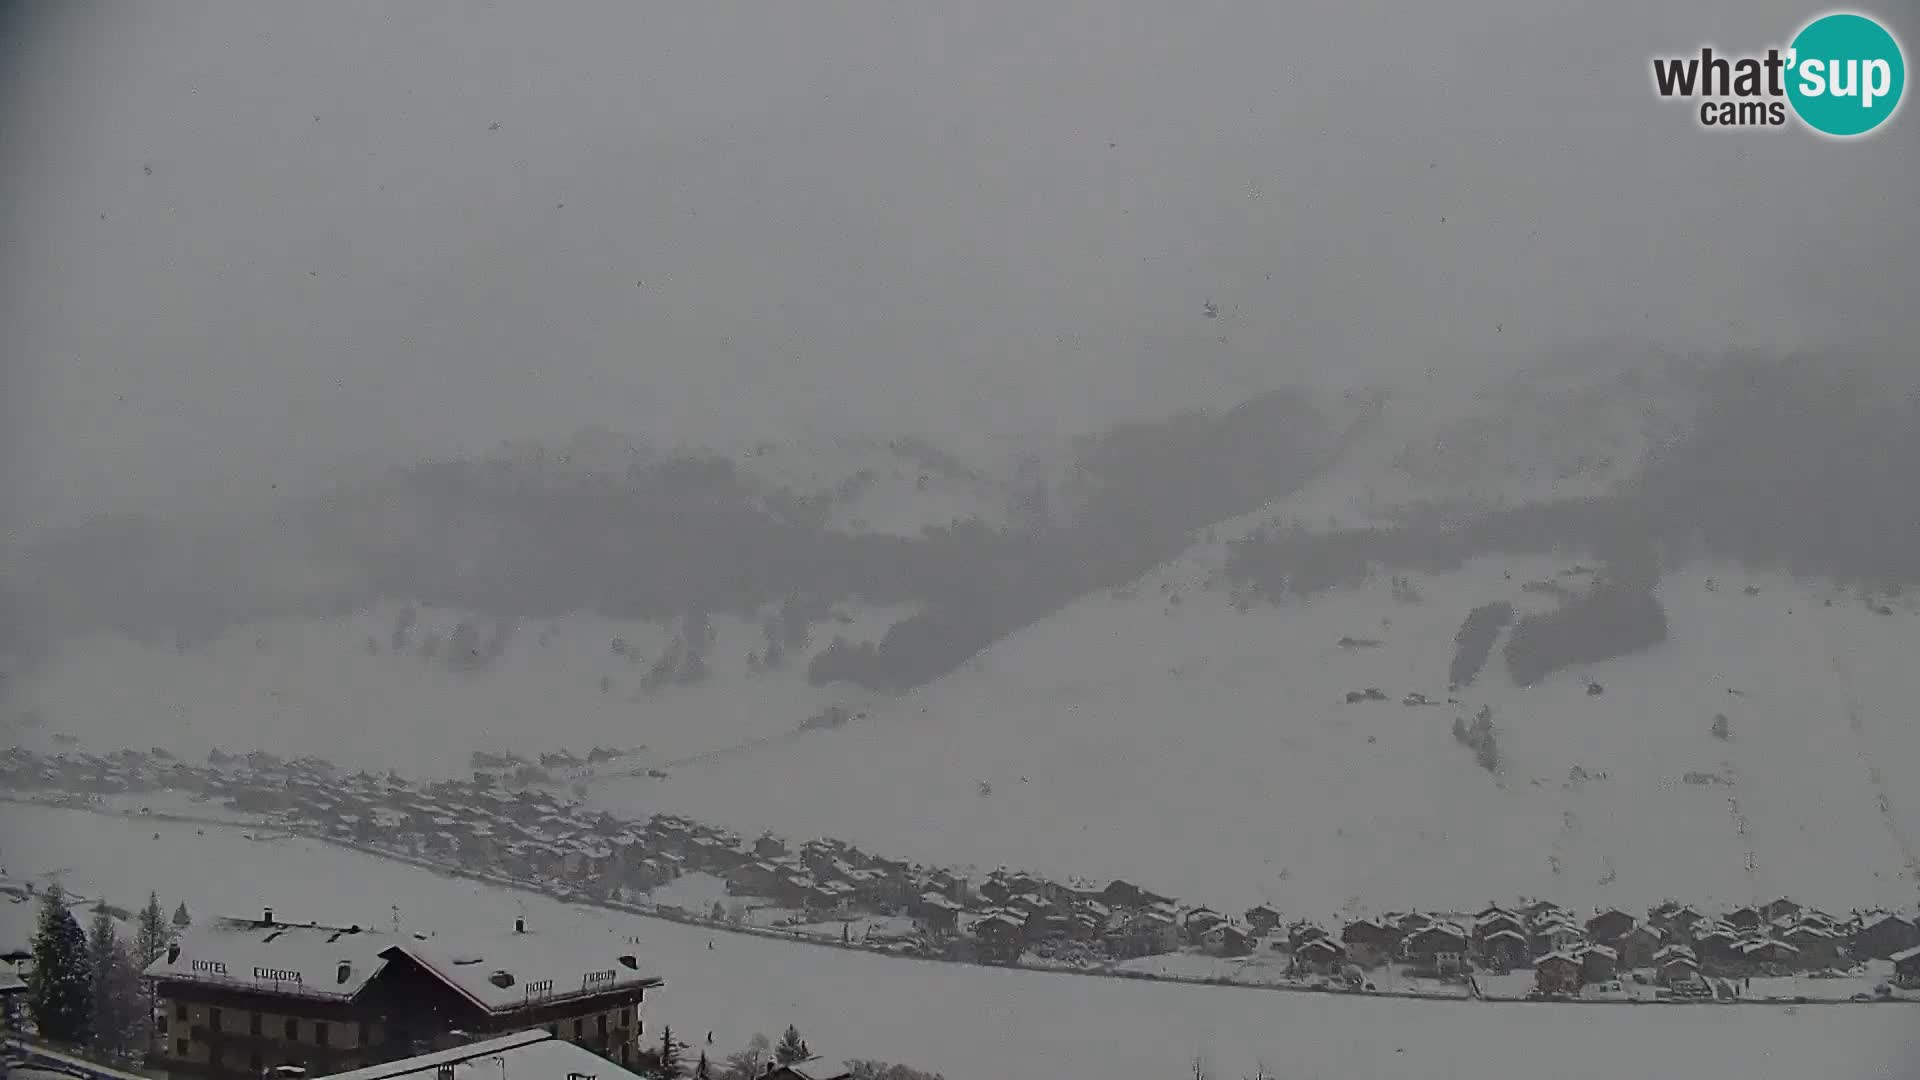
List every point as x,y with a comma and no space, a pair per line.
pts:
180,1048
253,1023
180,1014
291,1029
579,1028
213,1020
603,1025
320,1034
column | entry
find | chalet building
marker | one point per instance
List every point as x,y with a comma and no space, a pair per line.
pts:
1599,963
1505,950
1906,968
1767,953
1557,973
935,911
1225,939
999,937
1557,935
1676,968
1542,910
1495,920
1818,947
1368,942
1196,923
1675,920
1609,926
1639,945
1318,956
1302,932
1425,946
1262,919
1120,893
238,996
1882,935
1149,933
1782,908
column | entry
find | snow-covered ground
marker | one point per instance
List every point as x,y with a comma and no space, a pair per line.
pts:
1160,735
338,689
978,1023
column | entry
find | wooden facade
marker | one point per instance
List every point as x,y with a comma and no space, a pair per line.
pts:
216,1032
251,998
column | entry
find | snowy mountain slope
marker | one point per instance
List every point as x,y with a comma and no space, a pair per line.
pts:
893,486
1160,735
934,1015
337,688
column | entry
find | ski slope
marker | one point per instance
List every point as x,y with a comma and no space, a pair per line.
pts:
336,688
978,1023
1160,735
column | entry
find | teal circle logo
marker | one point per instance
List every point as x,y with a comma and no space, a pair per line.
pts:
1846,74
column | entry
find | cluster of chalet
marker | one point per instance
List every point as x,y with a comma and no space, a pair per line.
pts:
527,834
1676,943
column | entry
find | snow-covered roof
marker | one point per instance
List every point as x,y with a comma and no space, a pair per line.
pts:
20,919
323,962
527,1055
814,1068
1905,955
507,971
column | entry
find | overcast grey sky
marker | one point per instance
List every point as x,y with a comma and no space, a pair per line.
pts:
701,220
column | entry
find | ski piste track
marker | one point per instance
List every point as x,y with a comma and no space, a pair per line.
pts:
1857,729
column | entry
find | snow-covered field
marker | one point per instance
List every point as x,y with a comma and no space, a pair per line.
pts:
337,688
1164,737
976,1023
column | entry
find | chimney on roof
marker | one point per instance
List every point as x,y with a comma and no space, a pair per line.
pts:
173,952
268,917
444,1072
520,925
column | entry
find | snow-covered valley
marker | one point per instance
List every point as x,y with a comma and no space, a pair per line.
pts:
971,1023
1182,730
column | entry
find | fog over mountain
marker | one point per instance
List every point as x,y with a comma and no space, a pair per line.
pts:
258,244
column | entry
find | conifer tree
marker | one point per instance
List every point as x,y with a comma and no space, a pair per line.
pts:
151,937
60,991
792,1049
182,920
670,1066
702,1070
116,986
